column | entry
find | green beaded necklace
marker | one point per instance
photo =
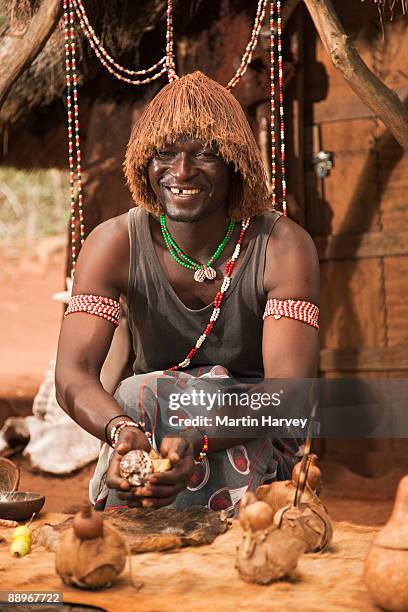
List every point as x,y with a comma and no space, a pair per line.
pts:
202,271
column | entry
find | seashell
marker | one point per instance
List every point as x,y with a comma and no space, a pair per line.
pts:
199,275
209,272
386,565
136,466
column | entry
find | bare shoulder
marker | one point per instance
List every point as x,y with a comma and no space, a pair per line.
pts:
292,264
104,258
111,231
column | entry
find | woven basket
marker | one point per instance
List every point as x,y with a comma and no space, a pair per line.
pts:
9,475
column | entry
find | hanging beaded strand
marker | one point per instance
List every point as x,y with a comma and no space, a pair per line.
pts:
275,24
281,109
170,61
217,301
107,61
273,106
74,150
247,56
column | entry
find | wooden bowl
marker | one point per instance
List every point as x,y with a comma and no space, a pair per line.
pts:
9,475
21,506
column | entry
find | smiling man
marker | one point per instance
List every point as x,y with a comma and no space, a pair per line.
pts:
203,261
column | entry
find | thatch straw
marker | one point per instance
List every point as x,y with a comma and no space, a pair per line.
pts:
392,5
120,30
197,106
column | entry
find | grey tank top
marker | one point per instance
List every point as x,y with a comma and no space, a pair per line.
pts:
164,329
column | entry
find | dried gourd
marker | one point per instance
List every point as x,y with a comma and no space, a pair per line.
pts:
386,565
265,554
92,553
309,523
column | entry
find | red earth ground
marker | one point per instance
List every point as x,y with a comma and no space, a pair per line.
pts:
29,326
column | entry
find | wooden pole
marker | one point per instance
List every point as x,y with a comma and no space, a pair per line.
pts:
370,89
18,51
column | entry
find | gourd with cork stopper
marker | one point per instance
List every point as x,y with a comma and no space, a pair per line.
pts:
314,473
91,553
305,517
282,493
386,565
265,553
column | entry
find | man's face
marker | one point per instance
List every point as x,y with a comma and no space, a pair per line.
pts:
189,179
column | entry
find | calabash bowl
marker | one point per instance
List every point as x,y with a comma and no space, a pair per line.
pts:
20,506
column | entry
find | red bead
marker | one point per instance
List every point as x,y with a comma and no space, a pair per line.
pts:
209,327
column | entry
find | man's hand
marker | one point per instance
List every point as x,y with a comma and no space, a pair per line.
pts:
163,488
130,439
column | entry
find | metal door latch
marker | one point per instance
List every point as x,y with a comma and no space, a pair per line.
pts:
323,163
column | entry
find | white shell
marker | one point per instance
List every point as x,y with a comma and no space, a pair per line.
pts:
210,273
136,466
199,275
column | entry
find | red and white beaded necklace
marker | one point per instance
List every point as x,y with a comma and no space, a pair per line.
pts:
139,77
217,300
109,309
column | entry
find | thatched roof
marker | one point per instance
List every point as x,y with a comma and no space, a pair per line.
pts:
389,8
120,30
134,32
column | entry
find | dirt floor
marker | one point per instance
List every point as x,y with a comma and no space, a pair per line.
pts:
30,318
29,329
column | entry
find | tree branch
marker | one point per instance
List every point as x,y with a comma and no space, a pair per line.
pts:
370,89
17,52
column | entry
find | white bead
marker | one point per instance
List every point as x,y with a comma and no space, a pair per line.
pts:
215,314
225,284
201,340
184,363
236,251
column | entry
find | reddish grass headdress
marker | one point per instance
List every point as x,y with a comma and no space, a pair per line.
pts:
201,108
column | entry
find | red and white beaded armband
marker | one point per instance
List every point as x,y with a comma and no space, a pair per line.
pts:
293,309
104,307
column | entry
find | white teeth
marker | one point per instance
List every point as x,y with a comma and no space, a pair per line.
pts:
184,191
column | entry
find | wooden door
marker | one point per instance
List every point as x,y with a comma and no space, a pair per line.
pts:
358,217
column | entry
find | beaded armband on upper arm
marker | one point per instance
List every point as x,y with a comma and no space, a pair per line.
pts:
104,307
293,309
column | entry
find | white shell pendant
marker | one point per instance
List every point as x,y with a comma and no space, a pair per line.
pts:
209,272
199,275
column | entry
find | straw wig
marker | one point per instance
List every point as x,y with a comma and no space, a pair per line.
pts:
203,109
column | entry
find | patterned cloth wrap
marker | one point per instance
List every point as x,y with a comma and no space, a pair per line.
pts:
220,481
